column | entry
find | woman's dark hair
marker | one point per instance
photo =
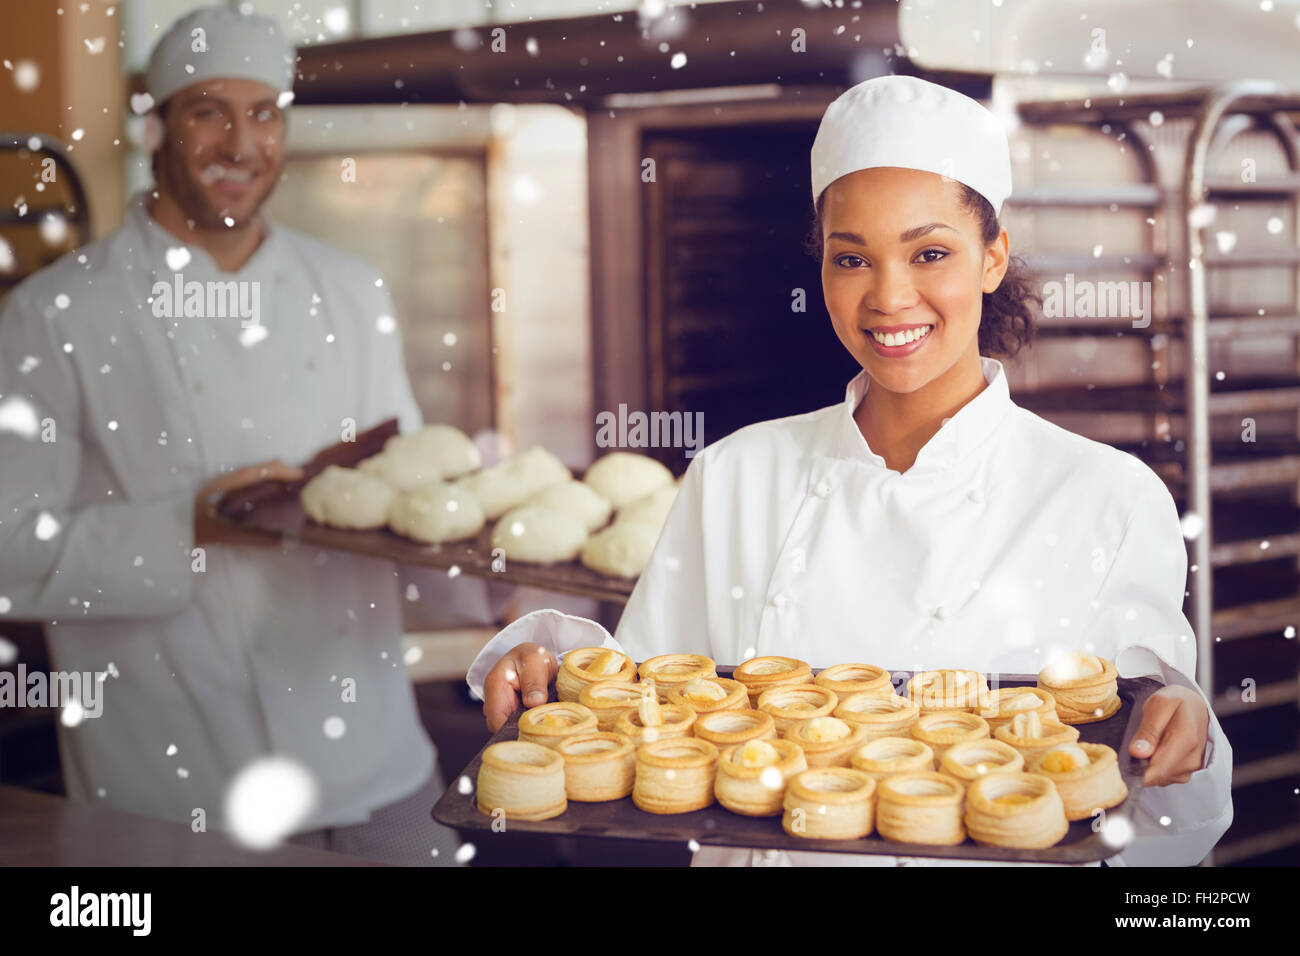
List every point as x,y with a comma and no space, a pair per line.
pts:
1006,322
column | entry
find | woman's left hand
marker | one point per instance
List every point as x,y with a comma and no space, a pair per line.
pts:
1175,724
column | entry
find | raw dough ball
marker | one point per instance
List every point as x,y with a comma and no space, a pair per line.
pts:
403,466
623,477
436,513
539,535
652,509
450,450
622,550
576,499
511,483
346,498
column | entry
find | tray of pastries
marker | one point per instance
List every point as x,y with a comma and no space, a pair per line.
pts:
425,498
850,759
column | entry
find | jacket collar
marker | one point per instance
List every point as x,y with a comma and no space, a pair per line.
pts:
158,241
957,438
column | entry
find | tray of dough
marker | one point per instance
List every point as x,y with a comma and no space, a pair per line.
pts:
276,509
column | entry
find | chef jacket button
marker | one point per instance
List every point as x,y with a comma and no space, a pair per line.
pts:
779,600
941,613
823,489
976,496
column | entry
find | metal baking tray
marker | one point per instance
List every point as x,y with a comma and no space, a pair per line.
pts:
717,826
272,508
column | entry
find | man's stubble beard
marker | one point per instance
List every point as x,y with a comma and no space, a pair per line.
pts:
190,196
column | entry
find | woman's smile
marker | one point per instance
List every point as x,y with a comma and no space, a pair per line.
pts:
896,341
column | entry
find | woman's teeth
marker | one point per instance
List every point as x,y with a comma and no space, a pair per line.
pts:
902,338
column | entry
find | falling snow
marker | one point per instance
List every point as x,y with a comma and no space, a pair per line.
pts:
267,800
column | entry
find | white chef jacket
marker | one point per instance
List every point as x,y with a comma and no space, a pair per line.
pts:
250,656
1008,538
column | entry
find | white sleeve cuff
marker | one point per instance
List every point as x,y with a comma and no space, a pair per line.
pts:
554,630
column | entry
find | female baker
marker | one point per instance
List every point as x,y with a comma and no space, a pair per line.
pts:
927,521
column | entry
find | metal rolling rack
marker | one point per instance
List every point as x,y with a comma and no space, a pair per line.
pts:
1203,473
76,211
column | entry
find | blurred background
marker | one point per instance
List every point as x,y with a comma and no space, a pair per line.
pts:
1152,143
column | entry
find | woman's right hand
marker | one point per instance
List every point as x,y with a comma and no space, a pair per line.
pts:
519,679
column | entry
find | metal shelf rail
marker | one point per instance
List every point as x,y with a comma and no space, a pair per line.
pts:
76,211
1269,107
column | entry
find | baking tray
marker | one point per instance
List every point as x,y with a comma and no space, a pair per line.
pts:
272,508
717,826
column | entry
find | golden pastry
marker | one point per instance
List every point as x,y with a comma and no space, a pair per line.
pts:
922,807
1086,775
589,665
881,716
960,690
524,780
1084,687
885,756
1005,703
1020,810
752,776
1032,735
791,703
609,699
827,741
979,758
548,724
941,729
597,766
849,679
704,695
674,670
723,728
762,673
829,803
675,776
674,721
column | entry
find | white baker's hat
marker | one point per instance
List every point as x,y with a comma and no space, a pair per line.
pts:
231,44
912,123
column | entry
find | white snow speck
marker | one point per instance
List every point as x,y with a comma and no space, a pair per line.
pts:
47,526
465,853
1192,525
693,846
449,338
413,654
177,258
771,778
465,785
335,727
385,324
453,571
1165,821
171,750
78,134
267,799
6,605
8,652
62,301
252,335
112,425
72,714
737,592
182,773
678,61
27,76
1274,225
1117,831
18,416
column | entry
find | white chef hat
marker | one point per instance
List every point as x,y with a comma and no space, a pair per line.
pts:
231,44
912,123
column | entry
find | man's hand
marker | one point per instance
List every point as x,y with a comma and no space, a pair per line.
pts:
523,674
1174,728
209,529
